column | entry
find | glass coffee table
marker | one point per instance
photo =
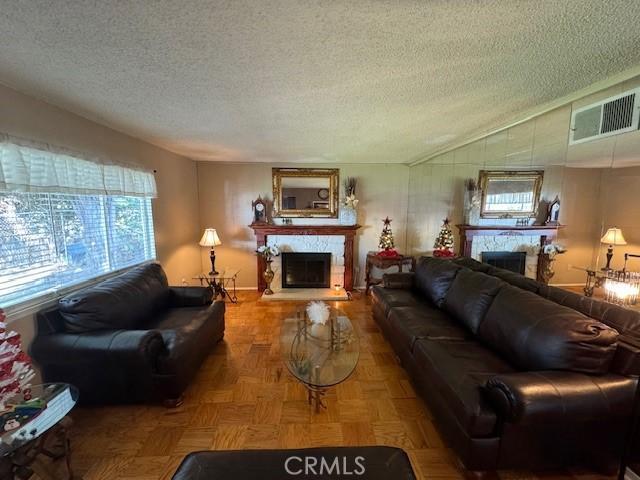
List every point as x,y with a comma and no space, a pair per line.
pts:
319,356
39,428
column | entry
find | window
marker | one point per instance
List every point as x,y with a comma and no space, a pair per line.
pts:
49,241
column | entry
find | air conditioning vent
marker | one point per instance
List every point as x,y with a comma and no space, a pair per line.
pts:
611,116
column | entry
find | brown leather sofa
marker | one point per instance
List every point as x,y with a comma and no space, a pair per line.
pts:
517,374
129,339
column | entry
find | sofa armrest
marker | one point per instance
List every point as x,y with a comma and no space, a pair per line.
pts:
191,296
559,396
107,366
626,361
399,280
121,347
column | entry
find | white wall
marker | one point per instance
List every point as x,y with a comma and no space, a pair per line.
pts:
580,175
175,211
226,192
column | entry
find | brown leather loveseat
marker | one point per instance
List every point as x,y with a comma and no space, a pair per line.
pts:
129,339
517,374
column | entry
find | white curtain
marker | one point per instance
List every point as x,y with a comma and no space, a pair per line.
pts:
41,168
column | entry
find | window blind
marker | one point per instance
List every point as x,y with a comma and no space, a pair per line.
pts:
49,241
65,219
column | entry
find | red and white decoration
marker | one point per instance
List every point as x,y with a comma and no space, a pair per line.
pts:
15,366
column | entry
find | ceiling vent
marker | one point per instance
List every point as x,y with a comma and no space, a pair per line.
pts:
611,116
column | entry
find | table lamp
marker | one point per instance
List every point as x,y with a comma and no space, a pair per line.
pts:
210,239
612,237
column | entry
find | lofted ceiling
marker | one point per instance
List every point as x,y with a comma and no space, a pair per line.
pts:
311,81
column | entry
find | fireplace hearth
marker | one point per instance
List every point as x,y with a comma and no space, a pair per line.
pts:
306,270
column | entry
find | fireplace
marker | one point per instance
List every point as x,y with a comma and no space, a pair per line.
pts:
514,261
306,270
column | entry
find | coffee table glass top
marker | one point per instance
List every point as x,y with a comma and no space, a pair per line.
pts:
319,356
223,273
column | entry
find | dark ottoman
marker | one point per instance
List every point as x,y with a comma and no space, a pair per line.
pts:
366,463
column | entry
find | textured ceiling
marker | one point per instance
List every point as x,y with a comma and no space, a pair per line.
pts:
311,81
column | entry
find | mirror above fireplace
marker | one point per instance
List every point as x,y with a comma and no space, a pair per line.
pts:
510,193
305,192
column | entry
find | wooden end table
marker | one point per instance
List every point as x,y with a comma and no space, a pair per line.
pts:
383,263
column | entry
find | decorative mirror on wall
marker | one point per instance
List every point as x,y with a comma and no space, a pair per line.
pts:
305,192
510,194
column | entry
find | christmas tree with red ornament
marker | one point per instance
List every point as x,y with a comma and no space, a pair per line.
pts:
386,244
444,241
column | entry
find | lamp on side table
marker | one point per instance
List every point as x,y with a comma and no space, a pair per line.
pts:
613,236
210,239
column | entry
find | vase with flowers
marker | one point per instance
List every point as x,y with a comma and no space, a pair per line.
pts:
348,214
268,252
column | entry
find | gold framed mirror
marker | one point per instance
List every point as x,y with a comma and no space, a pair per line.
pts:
305,192
510,193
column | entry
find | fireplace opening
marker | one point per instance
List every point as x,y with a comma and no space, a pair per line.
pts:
514,261
306,270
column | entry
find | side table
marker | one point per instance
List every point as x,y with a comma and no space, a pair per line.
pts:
221,282
375,260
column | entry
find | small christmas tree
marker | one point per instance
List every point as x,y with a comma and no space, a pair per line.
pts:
444,241
386,244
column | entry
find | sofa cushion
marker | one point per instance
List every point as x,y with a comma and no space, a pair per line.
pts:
387,298
409,324
470,296
434,277
537,334
625,320
458,370
515,279
123,302
189,334
472,264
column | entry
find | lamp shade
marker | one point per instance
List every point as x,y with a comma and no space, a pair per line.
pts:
210,238
613,237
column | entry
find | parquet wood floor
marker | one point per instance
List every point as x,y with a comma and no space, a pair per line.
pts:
243,397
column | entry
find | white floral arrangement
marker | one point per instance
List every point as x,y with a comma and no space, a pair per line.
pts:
318,312
268,252
553,249
473,192
350,199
